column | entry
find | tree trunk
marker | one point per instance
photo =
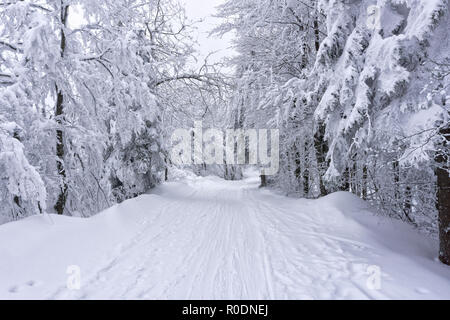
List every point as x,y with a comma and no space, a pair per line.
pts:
443,197
298,168
364,183
321,148
345,185
407,206
306,172
317,31
396,168
320,144
354,188
59,116
263,180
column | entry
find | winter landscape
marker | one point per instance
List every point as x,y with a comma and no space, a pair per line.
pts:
224,149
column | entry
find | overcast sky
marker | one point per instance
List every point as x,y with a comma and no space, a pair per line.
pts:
204,10
196,10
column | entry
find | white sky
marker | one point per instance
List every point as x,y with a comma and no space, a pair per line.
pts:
204,10
196,10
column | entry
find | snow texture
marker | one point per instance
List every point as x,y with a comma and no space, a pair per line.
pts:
205,238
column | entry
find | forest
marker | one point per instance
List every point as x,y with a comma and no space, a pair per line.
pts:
91,92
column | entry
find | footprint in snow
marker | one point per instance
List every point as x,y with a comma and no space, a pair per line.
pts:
30,283
14,289
422,291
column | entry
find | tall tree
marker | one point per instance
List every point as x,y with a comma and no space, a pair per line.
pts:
90,93
59,114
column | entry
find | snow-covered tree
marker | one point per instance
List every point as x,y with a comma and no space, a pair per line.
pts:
22,191
276,43
88,84
359,91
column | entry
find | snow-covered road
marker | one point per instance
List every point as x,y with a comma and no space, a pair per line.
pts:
205,238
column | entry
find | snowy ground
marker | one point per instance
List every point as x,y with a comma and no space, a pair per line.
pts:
204,238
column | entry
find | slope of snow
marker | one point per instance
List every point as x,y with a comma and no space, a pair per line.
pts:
205,238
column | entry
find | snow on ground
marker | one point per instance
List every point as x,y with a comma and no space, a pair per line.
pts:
205,238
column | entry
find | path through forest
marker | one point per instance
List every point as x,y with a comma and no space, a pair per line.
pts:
203,238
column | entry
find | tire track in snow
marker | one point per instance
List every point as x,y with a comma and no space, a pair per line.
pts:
226,242
328,251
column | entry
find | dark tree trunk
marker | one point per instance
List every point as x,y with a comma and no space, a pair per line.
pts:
396,167
166,170
298,168
317,32
306,172
263,180
408,204
321,149
354,188
364,183
62,198
59,116
345,186
226,170
443,196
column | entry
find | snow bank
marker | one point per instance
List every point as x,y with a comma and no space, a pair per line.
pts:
38,250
